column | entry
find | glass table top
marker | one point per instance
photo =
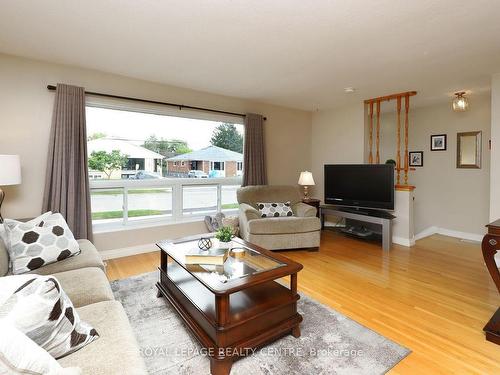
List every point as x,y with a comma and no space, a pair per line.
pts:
241,261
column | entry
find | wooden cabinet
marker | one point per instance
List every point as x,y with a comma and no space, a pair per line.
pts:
490,246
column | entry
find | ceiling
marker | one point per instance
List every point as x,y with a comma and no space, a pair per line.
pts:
294,53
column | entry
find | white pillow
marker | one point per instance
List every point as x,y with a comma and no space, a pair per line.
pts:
38,307
38,242
20,355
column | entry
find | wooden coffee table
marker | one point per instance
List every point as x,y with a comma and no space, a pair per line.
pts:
232,308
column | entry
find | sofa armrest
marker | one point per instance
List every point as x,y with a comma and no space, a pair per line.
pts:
303,210
248,212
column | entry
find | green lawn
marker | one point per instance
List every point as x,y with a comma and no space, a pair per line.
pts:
228,206
131,191
119,214
136,213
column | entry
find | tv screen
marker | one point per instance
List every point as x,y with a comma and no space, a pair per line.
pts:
360,185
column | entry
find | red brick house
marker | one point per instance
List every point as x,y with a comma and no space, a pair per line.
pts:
214,161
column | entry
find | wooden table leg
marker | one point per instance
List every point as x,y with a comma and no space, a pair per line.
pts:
293,284
492,328
220,366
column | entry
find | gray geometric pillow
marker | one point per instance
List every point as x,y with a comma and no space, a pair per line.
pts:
38,307
36,243
274,209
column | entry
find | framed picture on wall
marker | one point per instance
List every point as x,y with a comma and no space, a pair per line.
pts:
438,142
416,158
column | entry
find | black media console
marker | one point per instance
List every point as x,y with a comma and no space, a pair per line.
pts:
377,221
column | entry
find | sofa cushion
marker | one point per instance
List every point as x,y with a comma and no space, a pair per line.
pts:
284,225
116,351
268,193
88,257
39,307
85,286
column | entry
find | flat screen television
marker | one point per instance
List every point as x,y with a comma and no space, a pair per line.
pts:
360,185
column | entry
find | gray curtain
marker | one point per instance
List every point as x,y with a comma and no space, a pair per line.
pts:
66,180
254,154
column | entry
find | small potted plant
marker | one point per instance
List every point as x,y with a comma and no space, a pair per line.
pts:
224,235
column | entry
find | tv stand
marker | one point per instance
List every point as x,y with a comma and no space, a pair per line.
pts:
380,219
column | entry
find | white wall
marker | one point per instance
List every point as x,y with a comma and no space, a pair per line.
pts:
337,137
445,196
495,149
26,112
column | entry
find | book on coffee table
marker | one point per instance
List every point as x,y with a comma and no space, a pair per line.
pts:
213,256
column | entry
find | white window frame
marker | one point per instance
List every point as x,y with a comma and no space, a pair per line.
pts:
176,184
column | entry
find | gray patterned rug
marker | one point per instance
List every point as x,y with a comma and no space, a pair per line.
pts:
330,343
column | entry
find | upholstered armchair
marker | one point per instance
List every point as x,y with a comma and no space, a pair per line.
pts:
302,230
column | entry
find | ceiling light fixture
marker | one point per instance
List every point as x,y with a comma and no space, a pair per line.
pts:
349,90
460,102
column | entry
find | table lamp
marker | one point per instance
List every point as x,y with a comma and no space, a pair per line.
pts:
306,179
10,174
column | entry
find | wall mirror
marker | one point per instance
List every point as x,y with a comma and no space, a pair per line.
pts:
469,150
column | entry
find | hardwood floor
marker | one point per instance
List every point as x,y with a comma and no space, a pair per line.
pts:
433,298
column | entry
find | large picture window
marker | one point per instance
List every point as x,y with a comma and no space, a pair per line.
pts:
152,167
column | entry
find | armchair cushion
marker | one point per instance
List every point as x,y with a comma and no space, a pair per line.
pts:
251,195
248,212
304,210
284,225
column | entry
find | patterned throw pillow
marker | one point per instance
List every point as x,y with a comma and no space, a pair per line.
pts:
233,222
38,307
44,240
20,355
275,209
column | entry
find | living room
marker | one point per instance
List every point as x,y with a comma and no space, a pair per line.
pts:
300,88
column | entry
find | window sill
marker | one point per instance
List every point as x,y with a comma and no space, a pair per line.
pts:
151,223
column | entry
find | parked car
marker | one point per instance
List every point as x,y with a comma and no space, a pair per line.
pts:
197,174
145,175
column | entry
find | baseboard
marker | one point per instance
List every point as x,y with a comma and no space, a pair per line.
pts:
403,241
426,233
127,251
449,232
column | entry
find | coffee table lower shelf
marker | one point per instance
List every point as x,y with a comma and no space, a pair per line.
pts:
229,325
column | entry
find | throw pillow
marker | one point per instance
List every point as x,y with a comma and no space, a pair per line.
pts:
38,307
20,355
275,209
44,240
233,222
214,223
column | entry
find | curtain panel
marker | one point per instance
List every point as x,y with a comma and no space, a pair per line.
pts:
254,156
66,180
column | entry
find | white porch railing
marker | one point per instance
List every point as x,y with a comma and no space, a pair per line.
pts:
116,202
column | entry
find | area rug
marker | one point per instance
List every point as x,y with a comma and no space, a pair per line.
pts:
330,342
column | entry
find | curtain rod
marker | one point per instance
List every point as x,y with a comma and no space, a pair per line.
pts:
180,106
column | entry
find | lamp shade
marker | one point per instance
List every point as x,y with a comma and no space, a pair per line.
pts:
10,170
306,178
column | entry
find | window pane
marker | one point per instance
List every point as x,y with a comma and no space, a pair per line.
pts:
199,200
229,201
106,205
148,203
132,145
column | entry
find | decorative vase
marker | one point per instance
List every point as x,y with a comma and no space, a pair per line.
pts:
204,243
225,245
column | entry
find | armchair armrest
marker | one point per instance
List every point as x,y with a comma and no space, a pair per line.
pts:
248,212
303,210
